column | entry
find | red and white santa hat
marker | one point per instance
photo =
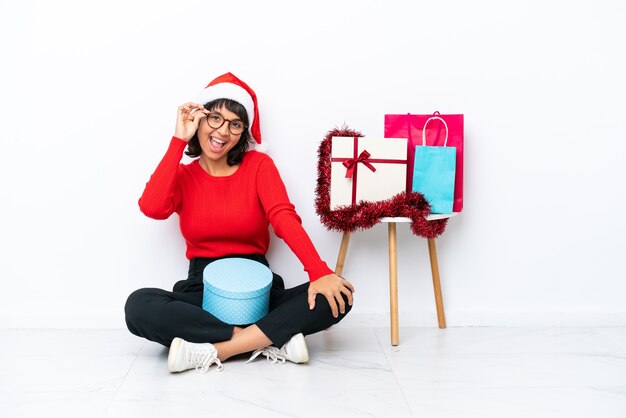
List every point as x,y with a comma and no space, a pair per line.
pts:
227,86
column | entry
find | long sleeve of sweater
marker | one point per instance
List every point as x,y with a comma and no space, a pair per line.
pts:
161,195
287,224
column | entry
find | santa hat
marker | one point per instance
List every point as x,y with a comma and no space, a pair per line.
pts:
227,86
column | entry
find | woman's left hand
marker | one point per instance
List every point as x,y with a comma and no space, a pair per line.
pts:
331,286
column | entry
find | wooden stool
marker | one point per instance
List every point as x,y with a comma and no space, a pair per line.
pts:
393,272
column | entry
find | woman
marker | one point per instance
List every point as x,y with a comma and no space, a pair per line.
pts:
226,200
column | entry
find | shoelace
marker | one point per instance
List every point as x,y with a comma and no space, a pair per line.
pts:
203,358
273,354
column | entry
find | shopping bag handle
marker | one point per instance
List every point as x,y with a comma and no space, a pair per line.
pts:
445,142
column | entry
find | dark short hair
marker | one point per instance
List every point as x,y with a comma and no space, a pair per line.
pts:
235,155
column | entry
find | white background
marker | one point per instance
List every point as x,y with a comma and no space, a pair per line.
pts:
89,92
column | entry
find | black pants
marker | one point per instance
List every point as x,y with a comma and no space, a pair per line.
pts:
160,316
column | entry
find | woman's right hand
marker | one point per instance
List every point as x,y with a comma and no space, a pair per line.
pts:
188,119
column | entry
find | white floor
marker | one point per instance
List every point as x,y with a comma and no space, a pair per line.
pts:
456,372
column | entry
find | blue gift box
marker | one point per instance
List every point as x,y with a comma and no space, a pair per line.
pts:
237,290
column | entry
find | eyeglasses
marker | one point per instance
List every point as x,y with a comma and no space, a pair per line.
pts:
235,126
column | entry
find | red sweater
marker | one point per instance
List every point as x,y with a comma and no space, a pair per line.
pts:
228,215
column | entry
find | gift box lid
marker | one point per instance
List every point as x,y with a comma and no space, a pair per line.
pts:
237,278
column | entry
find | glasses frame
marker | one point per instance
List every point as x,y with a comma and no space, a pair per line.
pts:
224,120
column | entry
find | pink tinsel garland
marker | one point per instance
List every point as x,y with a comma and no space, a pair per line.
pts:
364,215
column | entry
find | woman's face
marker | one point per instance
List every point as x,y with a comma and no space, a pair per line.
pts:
215,143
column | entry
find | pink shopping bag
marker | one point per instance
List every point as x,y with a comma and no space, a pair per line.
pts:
411,126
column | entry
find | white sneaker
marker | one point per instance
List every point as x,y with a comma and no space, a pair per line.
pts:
184,355
294,350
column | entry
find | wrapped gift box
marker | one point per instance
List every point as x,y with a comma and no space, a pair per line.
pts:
237,290
369,169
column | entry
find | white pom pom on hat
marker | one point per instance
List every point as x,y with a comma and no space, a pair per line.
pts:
228,86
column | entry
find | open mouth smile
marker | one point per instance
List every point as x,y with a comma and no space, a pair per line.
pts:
216,144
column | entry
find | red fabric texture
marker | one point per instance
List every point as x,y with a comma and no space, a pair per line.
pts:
228,215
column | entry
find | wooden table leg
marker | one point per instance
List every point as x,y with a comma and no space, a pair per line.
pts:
434,267
393,285
343,250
